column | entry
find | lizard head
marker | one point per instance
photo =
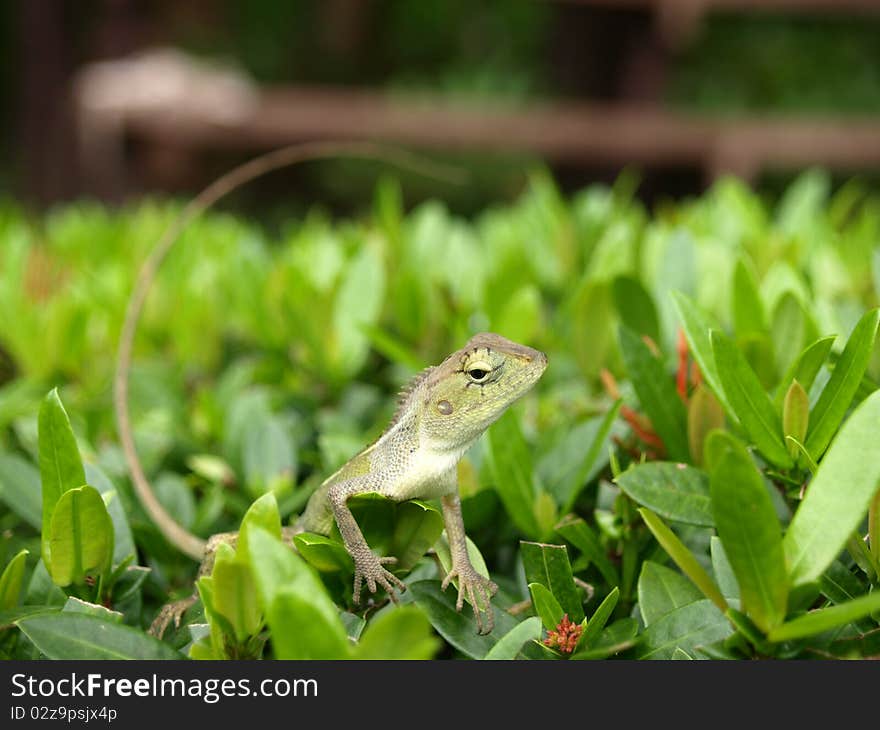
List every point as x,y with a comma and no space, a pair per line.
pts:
472,387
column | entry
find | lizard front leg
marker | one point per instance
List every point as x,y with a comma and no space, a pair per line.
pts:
478,589
367,565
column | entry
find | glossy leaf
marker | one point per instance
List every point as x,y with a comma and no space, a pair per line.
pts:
683,558
67,635
302,630
795,416
686,628
550,566
805,367
401,633
509,645
546,606
458,627
837,497
749,401
80,536
61,467
234,593
12,581
263,513
696,329
705,414
662,590
838,392
752,538
657,395
323,553
596,622
675,491
723,570
825,619
509,461
583,537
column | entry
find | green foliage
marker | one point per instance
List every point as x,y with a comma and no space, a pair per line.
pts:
695,475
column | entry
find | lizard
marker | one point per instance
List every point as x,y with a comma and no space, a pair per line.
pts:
440,415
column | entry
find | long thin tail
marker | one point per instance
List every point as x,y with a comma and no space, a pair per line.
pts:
222,186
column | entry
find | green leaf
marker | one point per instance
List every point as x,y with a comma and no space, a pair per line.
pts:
12,581
723,570
268,457
123,541
805,367
509,460
616,638
635,307
357,305
837,497
61,467
235,596
838,392
675,491
263,513
696,330
417,527
752,538
662,590
657,394
686,628
582,536
549,565
81,636
546,606
705,414
750,402
75,605
600,617
748,309
323,553
683,557
575,459
444,555
302,630
825,619
795,417
80,536
509,645
20,489
458,628
277,568
401,633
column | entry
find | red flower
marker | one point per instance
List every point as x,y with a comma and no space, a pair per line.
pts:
566,636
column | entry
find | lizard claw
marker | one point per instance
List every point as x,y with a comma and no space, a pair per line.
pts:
479,591
369,568
170,612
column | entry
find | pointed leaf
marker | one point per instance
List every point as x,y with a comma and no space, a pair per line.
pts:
61,467
662,590
12,581
546,606
509,645
80,536
656,392
838,392
805,367
752,538
81,636
675,491
683,557
597,621
549,565
825,619
838,496
750,402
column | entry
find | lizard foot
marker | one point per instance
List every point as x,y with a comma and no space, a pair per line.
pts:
479,591
171,612
369,568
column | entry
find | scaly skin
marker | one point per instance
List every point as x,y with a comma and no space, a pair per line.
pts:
443,411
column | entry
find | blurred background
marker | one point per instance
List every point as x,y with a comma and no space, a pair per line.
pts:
115,98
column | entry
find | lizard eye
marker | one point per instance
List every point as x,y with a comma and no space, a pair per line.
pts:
479,371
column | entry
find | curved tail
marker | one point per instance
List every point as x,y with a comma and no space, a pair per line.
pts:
178,536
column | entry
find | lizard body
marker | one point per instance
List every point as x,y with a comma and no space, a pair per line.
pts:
443,411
